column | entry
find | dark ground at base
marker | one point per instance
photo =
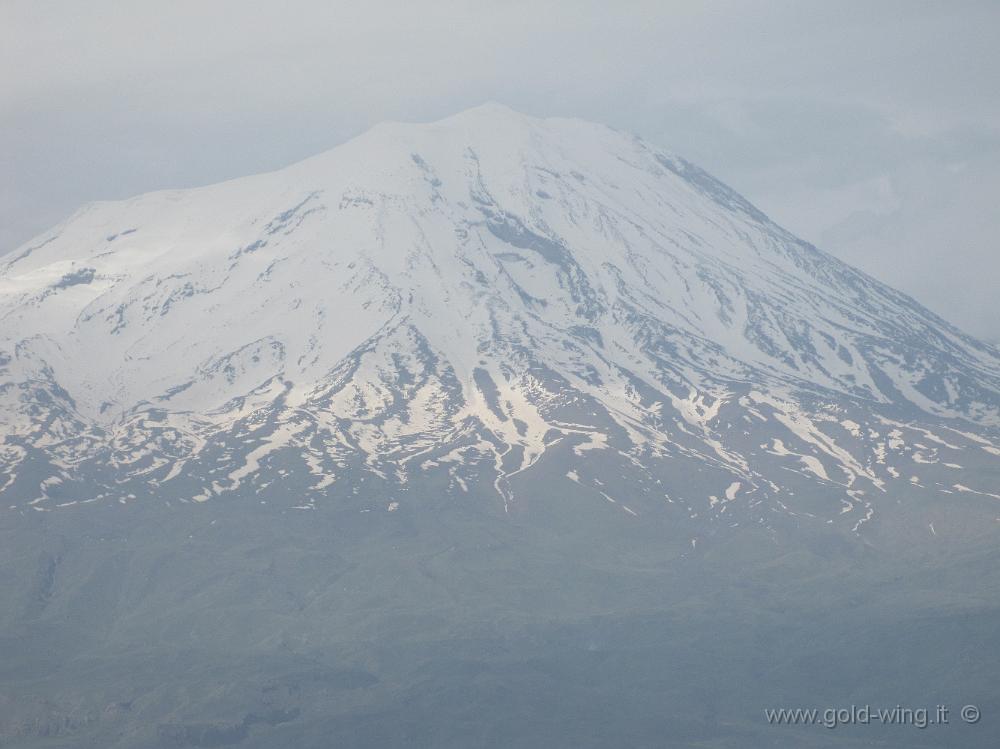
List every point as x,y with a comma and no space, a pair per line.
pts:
230,624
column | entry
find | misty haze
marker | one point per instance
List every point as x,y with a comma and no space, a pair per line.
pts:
353,395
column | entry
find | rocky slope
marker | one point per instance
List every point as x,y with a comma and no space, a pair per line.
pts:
488,304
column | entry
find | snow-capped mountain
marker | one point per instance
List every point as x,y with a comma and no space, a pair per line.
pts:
485,305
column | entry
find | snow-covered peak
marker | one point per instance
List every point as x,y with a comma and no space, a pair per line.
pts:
549,222
488,271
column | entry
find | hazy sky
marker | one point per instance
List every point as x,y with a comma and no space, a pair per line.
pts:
871,129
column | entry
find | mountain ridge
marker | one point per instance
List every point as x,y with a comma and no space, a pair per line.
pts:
462,297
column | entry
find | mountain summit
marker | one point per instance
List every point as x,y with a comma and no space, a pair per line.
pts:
467,306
